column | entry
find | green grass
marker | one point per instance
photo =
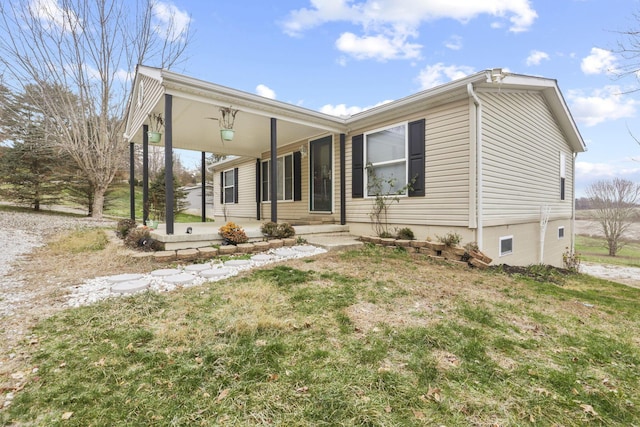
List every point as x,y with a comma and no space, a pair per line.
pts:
324,343
592,249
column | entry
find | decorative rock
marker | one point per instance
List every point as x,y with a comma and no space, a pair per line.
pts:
207,252
237,262
165,272
187,254
245,248
180,279
216,272
304,248
124,278
375,240
285,252
418,243
276,243
261,258
436,246
130,287
388,242
478,263
227,250
195,268
426,251
403,243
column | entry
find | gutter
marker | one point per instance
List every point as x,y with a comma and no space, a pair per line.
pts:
479,208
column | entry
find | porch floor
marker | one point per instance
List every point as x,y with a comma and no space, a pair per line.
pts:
328,236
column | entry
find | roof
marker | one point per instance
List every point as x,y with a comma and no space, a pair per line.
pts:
196,104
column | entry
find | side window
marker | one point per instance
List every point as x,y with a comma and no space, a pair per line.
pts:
229,186
506,245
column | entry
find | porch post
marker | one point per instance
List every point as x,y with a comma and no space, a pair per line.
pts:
132,184
343,182
145,174
273,184
203,173
168,161
258,189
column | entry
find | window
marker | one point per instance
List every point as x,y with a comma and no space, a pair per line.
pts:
285,183
506,245
563,174
386,160
229,186
560,232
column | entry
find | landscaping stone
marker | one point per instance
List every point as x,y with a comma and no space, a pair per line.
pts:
285,252
164,256
375,240
164,272
289,241
436,246
478,263
216,272
418,243
427,251
207,252
237,262
195,268
261,246
388,242
180,279
262,258
130,286
124,278
227,250
403,243
245,248
187,254
276,243
304,248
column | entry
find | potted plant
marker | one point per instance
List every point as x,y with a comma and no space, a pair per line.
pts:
227,119
156,122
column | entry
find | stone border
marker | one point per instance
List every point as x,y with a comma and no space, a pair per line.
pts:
438,251
210,252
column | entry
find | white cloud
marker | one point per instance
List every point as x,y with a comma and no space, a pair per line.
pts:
378,47
390,23
170,23
600,61
601,105
50,11
536,57
265,91
341,110
454,43
435,75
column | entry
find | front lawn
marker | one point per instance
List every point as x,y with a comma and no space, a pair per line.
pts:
370,337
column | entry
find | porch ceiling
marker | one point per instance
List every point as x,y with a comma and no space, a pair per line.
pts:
196,105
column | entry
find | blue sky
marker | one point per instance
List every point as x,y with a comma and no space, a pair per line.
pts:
342,56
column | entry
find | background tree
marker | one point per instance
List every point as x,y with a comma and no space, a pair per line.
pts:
30,167
614,205
83,53
157,192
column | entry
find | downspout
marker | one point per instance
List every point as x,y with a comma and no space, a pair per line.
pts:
573,205
479,208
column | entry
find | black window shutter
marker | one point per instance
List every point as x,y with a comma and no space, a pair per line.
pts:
235,185
562,185
357,166
416,158
297,176
221,188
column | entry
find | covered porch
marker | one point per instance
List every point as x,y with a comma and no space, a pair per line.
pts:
191,114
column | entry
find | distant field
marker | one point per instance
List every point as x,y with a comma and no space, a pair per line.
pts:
592,249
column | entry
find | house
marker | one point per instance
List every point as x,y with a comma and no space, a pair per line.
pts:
490,156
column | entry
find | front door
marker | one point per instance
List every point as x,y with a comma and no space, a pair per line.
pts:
321,175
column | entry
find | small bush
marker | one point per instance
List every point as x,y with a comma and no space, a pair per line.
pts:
233,234
139,238
124,226
450,239
277,231
385,235
405,234
472,247
571,260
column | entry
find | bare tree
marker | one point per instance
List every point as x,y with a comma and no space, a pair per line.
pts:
88,49
614,204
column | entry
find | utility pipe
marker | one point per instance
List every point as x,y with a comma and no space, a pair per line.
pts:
479,218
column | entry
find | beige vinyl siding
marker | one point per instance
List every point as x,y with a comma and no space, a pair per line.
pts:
521,159
446,200
152,92
246,206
